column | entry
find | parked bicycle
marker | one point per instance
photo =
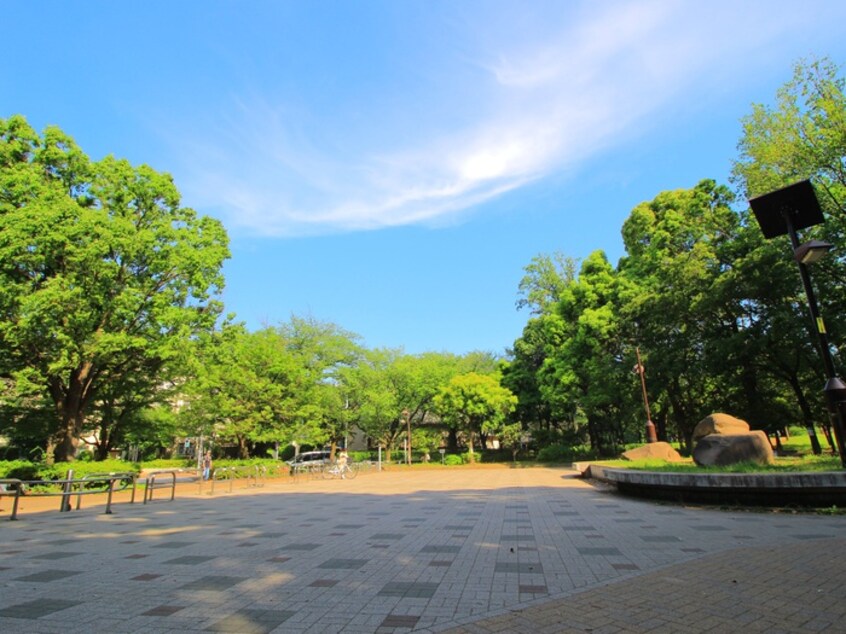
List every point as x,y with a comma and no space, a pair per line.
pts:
342,471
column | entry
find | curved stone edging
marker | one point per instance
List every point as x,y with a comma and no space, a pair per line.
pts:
820,488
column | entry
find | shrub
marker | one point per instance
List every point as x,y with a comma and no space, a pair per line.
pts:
565,453
454,459
20,470
174,463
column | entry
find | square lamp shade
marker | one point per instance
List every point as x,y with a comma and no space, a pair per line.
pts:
795,204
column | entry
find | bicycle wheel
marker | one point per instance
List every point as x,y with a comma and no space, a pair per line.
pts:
329,472
350,472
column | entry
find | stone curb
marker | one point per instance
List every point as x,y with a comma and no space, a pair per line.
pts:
819,488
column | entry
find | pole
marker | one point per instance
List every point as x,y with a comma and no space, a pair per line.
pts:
833,387
651,435
408,434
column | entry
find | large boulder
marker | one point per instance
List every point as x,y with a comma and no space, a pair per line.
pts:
726,449
719,424
653,450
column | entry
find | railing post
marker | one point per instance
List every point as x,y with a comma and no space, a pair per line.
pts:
65,506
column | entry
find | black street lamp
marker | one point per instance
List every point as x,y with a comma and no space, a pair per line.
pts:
785,211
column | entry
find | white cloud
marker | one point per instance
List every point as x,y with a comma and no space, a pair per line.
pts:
542,106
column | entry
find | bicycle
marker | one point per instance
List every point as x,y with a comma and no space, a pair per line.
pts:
339,471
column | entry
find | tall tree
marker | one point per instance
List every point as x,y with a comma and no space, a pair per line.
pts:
475,404
102,272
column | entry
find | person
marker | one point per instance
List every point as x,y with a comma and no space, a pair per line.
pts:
342,463
207,465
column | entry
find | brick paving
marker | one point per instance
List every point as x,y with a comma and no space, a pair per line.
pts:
457,550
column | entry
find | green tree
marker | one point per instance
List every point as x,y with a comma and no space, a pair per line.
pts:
475,404
102,273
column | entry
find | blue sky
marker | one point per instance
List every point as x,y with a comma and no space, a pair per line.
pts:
392,166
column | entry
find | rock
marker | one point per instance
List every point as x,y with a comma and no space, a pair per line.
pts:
655,451
727,449
718,424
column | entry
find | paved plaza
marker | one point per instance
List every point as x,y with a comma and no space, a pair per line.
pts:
462,550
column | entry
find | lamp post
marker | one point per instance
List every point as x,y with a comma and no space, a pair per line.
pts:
407,418
785,211
651,435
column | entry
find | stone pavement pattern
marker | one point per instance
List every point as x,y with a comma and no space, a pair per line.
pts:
487,550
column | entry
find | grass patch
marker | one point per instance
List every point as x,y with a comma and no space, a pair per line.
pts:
783,464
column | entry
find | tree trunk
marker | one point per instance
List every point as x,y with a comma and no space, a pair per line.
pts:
68,440
243,450
452,440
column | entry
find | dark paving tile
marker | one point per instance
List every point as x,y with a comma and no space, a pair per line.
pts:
692,550
173,545
387,536
577,527
252,621
164,610
49,575
349,526
533,590
145,577
660,539
247,544
811,536
38,608
136,556
216,583
54,556
189,560
438,548
400,620
627,520
565,513
458,527
708,527
624,567
409,590
300,546
606,551
343,564
269,535
440,563
323,583
519,567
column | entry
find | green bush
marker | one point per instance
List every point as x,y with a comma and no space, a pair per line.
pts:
454,459
20,470
565,453
82,469
174,463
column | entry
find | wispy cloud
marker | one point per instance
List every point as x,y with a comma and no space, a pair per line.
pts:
541,107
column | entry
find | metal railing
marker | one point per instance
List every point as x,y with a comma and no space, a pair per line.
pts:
91,484
16,491
151,485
